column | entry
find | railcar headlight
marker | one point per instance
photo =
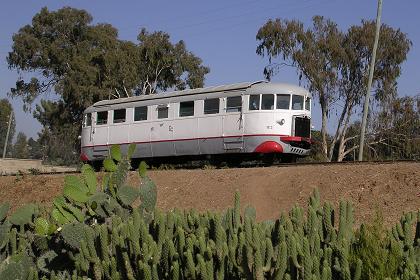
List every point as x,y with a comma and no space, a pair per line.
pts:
281,122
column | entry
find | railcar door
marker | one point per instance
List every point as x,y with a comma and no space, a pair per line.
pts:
86,137
161,132
100,133
233,125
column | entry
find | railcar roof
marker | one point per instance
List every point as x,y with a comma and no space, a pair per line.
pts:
231,87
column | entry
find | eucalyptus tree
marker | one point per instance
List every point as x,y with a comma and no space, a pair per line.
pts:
21,147
333,65
395,129
5,110
164,65
64,53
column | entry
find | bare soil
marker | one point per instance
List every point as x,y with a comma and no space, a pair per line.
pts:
390,189
13,166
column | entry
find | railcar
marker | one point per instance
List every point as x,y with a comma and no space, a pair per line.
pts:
231,121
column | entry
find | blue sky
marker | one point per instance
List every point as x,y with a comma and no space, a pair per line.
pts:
222,33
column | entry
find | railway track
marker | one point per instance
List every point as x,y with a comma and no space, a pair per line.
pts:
176,167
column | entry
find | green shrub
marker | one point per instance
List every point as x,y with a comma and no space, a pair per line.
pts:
380,253
94,231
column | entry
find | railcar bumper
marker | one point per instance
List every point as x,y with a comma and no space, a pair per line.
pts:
296,145
83,157
287,145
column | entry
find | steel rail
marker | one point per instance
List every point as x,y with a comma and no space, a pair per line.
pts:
280,164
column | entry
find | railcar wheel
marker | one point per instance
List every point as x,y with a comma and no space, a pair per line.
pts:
268,159
288,158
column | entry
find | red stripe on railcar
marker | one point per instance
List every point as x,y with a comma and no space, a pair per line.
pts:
295,139
186,139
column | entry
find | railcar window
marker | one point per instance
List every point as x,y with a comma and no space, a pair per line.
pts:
254,102
186,109
308,104
211,106
140,113
88,120
163,112
283,101
102,117
267,102
119,116
234,104
297,102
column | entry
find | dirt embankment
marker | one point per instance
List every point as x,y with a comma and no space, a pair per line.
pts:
390,188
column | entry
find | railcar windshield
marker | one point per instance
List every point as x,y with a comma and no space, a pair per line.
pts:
297,102
254,102
267,102
283,101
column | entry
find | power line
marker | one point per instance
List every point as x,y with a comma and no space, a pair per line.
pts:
205,13
260,18
251,13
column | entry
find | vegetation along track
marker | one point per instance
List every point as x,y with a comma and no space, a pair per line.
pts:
249,165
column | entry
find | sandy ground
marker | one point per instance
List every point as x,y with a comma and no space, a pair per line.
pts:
11,166
389,188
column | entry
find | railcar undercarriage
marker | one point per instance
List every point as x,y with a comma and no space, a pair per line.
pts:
211,161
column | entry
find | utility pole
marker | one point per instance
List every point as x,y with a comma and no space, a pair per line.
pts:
7,134
371,70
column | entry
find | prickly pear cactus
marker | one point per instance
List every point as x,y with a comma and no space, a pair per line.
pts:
148,197
127,195
74,233
4,209
24,214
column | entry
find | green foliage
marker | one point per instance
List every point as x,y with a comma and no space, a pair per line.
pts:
24,214
74,193
42,226
396,130
21,148
89,177
4,208
148,195
116,153
250,212
127,194
375,248
333,64
107,237
109,165
83,63
131,150
142,169
16,267
74,233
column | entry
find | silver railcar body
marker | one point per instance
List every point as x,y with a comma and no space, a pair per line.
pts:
255,117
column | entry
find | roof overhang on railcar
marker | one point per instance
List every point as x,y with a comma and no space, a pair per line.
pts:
247,87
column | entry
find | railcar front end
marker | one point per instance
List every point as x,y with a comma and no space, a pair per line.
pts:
280,116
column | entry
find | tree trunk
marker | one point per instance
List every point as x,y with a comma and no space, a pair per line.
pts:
324,131
342,141
341,149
